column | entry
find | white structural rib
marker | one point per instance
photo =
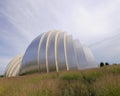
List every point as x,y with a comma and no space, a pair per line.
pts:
16,69
14,66
8,68
42,37
56,50
47,46
65,49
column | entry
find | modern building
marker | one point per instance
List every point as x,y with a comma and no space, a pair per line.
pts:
52,51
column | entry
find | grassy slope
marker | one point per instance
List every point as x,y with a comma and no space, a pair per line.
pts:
92,82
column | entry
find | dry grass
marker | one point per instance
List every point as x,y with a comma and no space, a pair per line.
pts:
91,82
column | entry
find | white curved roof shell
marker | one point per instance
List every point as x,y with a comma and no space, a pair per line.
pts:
14,66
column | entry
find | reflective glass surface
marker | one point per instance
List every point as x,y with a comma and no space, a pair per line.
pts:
43,54
51,53
71,56
29,62
61,53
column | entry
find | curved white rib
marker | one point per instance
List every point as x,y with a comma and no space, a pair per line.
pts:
56,50
16,66
65,48
8,68
13,67
47,46
42,37
16,70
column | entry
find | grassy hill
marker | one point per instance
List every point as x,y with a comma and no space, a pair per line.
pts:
91,82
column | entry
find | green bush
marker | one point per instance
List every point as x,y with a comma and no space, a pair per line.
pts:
1,76
102,64
92,76
71,76
106,63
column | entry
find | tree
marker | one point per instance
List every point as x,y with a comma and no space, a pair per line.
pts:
106,63
1,76
101,64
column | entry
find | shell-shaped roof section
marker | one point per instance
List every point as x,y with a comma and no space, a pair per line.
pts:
13,67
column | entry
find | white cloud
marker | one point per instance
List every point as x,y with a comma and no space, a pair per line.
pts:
97,21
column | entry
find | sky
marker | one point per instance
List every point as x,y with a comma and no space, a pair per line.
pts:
96,23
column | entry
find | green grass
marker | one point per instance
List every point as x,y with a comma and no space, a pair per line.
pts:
103,81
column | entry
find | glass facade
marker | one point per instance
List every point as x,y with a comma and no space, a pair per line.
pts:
71,56
29,62
61,52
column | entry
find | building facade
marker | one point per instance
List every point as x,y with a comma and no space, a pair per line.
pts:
55,51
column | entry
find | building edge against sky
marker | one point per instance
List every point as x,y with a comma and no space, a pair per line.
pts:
52,51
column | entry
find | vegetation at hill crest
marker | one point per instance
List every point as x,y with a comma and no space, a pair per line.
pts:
103,81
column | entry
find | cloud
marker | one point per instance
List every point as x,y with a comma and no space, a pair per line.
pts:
97,21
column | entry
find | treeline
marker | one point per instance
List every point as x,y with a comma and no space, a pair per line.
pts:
105,64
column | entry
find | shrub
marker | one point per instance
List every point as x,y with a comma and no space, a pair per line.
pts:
1,76
92,76
101,64
72,76
106,63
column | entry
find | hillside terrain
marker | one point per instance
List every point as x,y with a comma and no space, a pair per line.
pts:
103,81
